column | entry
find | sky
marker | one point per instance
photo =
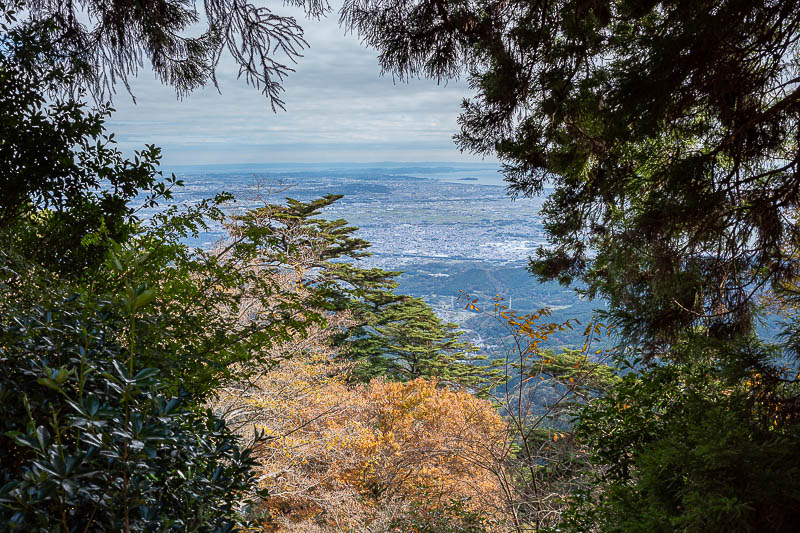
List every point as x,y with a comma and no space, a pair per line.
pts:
338,108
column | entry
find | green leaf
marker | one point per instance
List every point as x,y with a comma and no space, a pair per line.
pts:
145,374
144,298
42,437
49,383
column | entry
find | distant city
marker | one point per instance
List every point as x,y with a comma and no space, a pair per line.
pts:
448,227
408,213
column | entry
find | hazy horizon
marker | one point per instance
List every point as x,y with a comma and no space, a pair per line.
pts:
338,108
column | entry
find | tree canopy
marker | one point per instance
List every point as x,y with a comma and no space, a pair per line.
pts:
668,131
63,177
107,42
666,136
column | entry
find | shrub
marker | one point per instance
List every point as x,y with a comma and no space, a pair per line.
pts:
88,439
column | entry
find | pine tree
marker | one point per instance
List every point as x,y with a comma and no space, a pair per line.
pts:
104,43
409,341
391,335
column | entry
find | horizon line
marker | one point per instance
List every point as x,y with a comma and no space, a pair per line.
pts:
321,163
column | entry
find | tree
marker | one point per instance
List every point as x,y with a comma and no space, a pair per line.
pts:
105,43
357,457
410,341
389,334
694,447
538,461
62,177
667,129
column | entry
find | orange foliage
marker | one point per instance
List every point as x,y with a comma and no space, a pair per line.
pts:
345,457
416,437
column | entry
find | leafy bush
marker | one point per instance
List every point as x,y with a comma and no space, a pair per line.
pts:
696,446
63,176
90,442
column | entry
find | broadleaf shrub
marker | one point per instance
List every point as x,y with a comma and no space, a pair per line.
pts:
89,441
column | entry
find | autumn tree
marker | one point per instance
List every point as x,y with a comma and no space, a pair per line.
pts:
668,133
362,457
539,461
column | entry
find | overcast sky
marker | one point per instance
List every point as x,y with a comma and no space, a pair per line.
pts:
338,108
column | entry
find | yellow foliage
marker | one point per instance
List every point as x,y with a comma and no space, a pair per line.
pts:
343,457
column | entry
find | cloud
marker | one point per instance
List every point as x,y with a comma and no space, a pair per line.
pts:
338,108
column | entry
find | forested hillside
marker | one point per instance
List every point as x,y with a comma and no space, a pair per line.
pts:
277,381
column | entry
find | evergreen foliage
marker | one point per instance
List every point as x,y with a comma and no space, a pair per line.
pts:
410,341
391,335
667,129
668,132
105,43
62,176
695,446
91,440
225,312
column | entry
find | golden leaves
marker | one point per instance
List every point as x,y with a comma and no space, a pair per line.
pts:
338,453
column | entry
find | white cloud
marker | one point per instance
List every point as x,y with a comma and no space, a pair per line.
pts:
338,108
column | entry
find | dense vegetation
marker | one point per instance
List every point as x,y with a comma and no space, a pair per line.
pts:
273,383
668,131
